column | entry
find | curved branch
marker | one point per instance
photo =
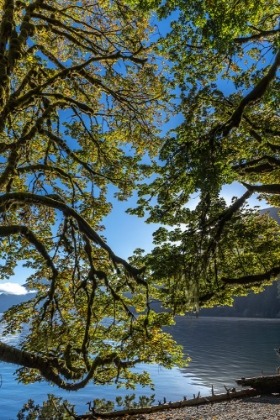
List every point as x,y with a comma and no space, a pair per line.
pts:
49,55
256,93
42,167
254,278
65,15
62,144
225,217
23,198
25,81
264,129
260,35
251,166
255,169
106,89
265,189
5,146
72,39
48,366
13,158
29,235
28,96
82,106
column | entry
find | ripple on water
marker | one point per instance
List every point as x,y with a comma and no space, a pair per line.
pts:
222,350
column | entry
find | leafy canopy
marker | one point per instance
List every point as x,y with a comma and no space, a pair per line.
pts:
80,95
225,59
81,98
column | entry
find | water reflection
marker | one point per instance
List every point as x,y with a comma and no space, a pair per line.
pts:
222,350
225,349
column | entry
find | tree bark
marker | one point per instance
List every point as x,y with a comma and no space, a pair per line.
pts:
179,404
263,384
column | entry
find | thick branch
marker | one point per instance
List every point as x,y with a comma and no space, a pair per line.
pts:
14,155
45,168
60,75
257,169
265,189
13,229
46,366
80,105
6,25
254,278
32,72
261,34
11,164
24,198
255,94
225,217
49,366
263,128
253,167
228,213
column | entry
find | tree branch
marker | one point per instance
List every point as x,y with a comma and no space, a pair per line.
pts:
44,168
256,93
62,144
48,366
260,35
29,235
265,189
252,167
22,198
254,278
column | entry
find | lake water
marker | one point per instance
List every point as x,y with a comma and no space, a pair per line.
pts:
222,350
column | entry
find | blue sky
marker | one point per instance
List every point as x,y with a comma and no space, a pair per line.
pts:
123,232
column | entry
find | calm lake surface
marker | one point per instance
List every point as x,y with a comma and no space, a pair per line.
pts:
222,350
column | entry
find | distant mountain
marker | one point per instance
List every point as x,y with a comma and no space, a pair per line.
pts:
265,304
6,301
273,212
261,305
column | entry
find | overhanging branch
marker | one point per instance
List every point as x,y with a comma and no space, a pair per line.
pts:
254,278
49,366
261,34
23,198
256,93
265,189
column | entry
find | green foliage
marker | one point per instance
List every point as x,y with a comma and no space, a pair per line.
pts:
81,98
128,402
54,408
225,59
57,409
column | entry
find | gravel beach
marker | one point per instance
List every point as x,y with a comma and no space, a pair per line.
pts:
259,407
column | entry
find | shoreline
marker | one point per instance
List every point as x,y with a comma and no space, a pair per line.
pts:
261,407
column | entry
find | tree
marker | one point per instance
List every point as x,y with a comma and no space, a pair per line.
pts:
80,94
81,98
225,59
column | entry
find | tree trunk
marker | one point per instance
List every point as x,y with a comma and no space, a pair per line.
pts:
172,405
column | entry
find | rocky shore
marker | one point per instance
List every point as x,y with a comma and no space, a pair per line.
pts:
259,407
